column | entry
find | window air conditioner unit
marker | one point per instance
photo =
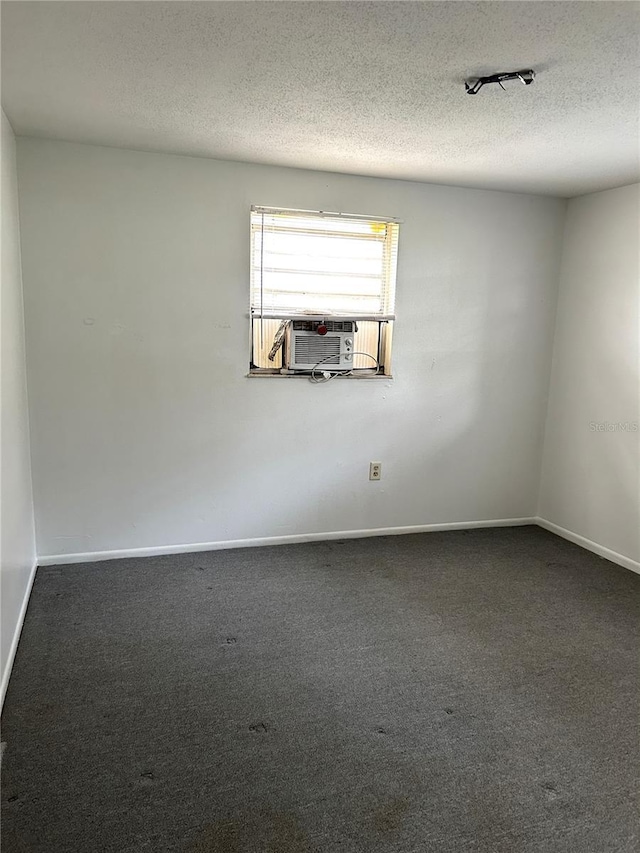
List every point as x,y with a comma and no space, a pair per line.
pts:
327,344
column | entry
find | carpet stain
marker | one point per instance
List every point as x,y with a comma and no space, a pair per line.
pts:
288,836
146,778
45,709
259,728
218,837
388,816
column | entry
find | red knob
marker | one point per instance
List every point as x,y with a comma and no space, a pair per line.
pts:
322,329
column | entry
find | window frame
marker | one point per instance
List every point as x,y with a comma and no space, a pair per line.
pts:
384,321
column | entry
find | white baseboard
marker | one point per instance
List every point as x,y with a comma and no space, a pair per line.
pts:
16,635
607,553
192,547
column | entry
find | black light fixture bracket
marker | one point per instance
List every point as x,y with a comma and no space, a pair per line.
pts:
474,84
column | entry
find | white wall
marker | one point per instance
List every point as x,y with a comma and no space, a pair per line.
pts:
17,539
590,481
146,431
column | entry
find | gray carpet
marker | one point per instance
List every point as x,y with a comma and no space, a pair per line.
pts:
464,691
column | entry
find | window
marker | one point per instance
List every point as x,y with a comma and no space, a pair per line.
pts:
312,272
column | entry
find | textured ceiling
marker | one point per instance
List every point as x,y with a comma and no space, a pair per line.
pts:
365,88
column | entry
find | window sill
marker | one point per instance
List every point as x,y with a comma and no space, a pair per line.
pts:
265,374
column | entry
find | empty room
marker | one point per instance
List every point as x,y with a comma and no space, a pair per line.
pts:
320,447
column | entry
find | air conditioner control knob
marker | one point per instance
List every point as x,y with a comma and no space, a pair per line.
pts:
348,342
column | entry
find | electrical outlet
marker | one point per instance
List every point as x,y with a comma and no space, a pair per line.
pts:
375,470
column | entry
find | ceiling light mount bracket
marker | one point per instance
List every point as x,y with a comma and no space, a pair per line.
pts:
473,84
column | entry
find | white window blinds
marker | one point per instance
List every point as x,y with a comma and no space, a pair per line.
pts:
322,263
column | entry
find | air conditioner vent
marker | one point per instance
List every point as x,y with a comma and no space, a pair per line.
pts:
339,326
332,325
312,349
